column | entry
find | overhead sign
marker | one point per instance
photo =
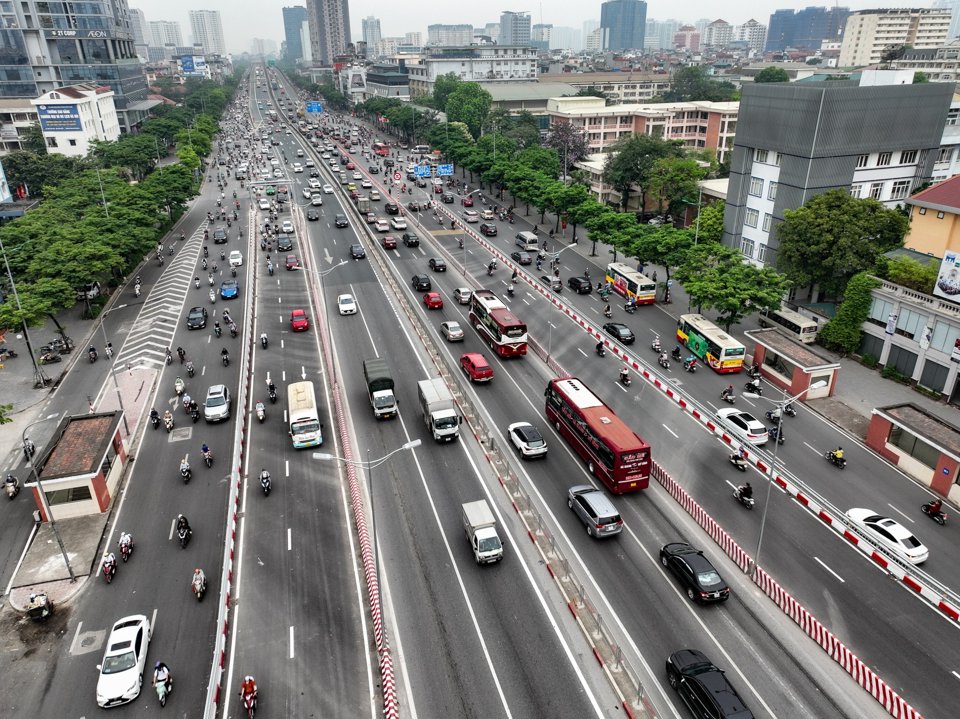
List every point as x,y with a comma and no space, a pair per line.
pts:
59,118
422,170
444,169
314,106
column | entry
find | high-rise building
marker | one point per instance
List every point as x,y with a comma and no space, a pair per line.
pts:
164,32
954,7
492,30
805,29
371,33
293,19
540,36
752,34
565,38
514,28
868,33
718,34
207,31
593,42
329,29
138,26
623,24
449,35
588,27
413,38
687,38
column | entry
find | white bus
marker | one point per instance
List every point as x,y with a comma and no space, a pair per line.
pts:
801,328
305,428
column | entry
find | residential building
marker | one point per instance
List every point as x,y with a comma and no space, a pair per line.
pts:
565,38
751,34
594,41
165,32
939,64
699,125
72,117
623,24
658,34
868,33
805,29
306,45
387,80
589,26
413,38
207,31
954,7
17,118
293,19
492,30
329,29
798,140
540,36
371,32
947,163
449,35
593,168
717,35
514,28
388,46
619,87
687,38
141,32
478,63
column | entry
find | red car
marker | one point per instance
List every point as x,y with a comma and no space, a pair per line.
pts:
437,190
299,322
433,301
467,202
351,166
476,367
292,262
389,242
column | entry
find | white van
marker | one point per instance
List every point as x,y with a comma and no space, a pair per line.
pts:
527,241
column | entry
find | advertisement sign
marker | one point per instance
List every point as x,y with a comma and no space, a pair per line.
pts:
948,281
444,170
59,118
195,65
5,194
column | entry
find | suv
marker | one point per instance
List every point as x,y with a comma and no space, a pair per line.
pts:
219,235
421,283
410,239
595,510
489,229
392,208
703,687
580,285
216,407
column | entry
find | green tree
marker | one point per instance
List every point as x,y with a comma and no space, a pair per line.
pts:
663,245
591,92
443,88
469,104
672,180
33,140
842,332
906,271
772,74
920,77
542,160
631,162
5,410
692,83
833,237
709,226
569,141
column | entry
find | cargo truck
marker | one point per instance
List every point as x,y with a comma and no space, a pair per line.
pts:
481,530
380,388
439,412
363,205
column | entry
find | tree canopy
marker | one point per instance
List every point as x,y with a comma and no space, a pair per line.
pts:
693,83
772,74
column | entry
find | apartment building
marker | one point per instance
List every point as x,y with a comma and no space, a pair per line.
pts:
479,63
868,33
621,87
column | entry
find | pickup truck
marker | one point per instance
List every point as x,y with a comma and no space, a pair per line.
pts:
481,530
439,412
380,388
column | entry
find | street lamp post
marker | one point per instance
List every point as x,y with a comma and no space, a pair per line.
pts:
113,374
40,379
780,404
43,497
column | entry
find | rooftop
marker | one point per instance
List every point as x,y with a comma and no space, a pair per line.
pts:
804,357
80,444
933,430
944,196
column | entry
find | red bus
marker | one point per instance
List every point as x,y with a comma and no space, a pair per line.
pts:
614,454
496,323
381,148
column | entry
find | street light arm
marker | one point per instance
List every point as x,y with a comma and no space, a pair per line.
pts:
326,457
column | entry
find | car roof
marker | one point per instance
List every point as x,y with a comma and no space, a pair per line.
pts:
216,389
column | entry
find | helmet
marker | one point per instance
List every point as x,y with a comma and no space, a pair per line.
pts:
157,665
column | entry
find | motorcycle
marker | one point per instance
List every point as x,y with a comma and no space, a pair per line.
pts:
831,457
233,331
737,461
155,420
184,534
179,387
773,415
209,278
489,270
272,394
191,370
261,411
12,486
199,586
61,345
217,330
169,357
664,362
676,354
265,483
625,379
753,372
745,501
186,473
92,355
109,570
263,340
601,350
49,357
233,271
776,434
938,516
655,345
249,704
126,550
168,422
270,269
195,415
607,312
753,387
629,308
225,358
164,689
789,410
196,282
690,365
213,297
208,458
728,397
136,290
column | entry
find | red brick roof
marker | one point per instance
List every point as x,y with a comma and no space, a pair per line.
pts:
81,445
942,196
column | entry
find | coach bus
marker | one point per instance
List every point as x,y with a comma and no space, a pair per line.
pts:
631,284
497,325
305,429
614,453
710,343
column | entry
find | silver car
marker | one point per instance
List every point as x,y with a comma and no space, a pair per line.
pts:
216,407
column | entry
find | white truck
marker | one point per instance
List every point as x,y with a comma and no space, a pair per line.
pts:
481,530
439,412
380,388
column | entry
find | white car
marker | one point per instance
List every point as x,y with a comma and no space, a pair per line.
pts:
471,216
462,295
124,659
328,189
325,156
287,227
452,331
264,203
381,225
527,439
366,184
297,167
357,176
742,425
278,174
309,163
316,201
889,534
398,223
235,259
346,305
314,183
307,193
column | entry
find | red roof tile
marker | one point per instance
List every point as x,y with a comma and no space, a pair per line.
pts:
945,194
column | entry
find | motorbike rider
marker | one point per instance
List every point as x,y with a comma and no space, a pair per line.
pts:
161,674
199,578
248,688
600,348
607,312
167,417
263,339
838,454
193,407
216,328
624,374
690,361
154,415
184,466
224,353
677,352
110,563
182,524
936,506
92,351
204,450
271,387
663,357
190,367
727,392
745,490
126,539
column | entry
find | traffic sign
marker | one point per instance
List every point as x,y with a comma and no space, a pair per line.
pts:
422,170
445,170
314,106
396,176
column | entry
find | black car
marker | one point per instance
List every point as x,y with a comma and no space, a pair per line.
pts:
437,264
392,208
421,283
521,257
421,182
313,215
197,318
357,252
410,239
580,285
701,580
373,170
620,332
219,235
341,221
411,176
703,687
447,197
388,162
489,229
285,243
314,173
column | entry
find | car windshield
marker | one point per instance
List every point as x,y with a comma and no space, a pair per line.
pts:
117,663
489,544
445,423
708,578
534,440
216,401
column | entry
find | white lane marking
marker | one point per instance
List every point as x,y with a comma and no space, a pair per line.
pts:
807,444
670,431
955,674
173,525
822,564
291,643
289,539
286,468
283,376
76,636
902,514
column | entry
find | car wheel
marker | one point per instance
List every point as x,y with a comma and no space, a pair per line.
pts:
664,561
691,594
673,679
589,531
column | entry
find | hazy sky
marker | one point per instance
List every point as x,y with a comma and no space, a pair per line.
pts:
246,19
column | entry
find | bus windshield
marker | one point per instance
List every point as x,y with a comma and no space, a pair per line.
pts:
305,428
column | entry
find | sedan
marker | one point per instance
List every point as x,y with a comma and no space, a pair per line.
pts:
284,243
341,221
421,283
314,173
366,184
389,242
328,189
236,258
488,229
467,202
889,534
701,581
433,301
452,331
299,322
471,216
306,193
287,226
313,215
398,223
743,425
346,305
356,175
446,197
620,332
357,252
527,439
437,264
381,225
521,257
124,659
229,289
292,262
197,318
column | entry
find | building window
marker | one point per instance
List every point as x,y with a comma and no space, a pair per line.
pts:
900,189
876,190
944,337
913,446
855,190
880,312
761,252
945,155
883,159
65,496
908,157
761,156
940,215
751,218
766,221
923,210
777,158
934,376
756,186
746,247
862,161
953,116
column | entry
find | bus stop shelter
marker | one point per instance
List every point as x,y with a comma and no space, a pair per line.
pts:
790,365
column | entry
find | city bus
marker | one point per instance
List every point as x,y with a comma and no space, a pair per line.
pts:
710,343
614,453
631,283
496,323
272,115
381,148
305,427
803,329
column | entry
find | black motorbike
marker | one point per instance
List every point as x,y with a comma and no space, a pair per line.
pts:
753,388
676,354
831,457
743,499
938,516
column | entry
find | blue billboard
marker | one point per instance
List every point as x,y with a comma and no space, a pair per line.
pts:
59,118
314,106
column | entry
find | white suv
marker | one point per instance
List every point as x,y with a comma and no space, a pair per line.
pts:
216,407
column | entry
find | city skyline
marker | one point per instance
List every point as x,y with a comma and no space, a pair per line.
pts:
244,20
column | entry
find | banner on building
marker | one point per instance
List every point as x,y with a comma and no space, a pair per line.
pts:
948,281
194,65
59,118
5,193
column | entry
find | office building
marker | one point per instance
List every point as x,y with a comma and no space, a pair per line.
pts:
370,27
73,117
293,19
514,28
164,32
623,24
329,29
138,26
805,29
207,31
869,33
478,63
797,140
449,35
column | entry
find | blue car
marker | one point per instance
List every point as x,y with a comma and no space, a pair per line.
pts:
229,289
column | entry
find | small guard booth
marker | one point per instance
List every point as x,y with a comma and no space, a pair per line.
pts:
792,366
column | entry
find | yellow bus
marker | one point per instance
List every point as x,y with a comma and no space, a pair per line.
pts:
710,343
803,329
305,427
630,283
